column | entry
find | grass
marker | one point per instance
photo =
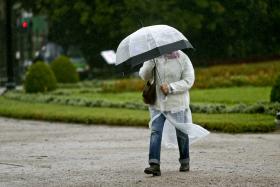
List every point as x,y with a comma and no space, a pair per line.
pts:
233,95
112,97
96,94
247,95
245,75
234,123
54,112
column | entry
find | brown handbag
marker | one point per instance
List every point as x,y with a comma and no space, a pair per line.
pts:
149,91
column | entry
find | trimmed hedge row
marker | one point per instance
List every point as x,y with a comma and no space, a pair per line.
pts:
261,108
258,108
123,85
232,123
45,98
253,74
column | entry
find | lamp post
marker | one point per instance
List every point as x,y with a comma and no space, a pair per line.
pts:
10,84
277,119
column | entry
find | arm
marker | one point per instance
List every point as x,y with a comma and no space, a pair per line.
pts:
187,79
146,71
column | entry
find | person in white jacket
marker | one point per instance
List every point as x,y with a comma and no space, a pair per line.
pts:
174,77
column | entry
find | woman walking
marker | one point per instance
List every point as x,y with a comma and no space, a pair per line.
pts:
174,76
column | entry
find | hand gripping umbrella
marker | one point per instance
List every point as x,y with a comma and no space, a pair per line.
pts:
148,43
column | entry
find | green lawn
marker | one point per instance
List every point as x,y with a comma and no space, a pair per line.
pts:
112,97
85,103
233,95
86,115
124,117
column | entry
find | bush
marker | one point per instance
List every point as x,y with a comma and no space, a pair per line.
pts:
123,85
64,70
275,91
253,74
39,78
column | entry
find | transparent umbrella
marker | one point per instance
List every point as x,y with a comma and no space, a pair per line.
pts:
148,43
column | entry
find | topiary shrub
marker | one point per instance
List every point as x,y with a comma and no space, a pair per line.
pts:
39,78
64,70
275,92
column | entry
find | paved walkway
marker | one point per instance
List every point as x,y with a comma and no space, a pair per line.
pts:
56,154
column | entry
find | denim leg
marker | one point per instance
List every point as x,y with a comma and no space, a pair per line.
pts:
183,144
155,139
182,138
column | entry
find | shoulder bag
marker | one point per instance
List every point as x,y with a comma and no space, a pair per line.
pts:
149,91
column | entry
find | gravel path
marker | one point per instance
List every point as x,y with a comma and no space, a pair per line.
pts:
55,154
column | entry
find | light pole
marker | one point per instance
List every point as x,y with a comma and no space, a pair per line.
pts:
10,84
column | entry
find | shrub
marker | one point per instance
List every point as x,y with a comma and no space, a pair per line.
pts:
39,78
253,74
275,91
123,85
64,70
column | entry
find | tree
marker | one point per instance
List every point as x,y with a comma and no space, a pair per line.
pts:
218,29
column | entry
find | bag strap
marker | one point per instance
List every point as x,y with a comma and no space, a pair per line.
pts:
156,71
154,74
181,63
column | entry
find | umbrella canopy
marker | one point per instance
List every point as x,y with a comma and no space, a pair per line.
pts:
148,43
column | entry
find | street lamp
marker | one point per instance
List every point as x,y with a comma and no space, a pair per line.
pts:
10,84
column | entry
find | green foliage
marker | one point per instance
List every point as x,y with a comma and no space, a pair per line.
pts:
218,29
258,108
64,70
123,85
232,95
233,123
90,98
63,98
254,74
39,78
72,114
275,91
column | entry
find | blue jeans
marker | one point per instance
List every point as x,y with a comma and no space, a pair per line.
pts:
156,135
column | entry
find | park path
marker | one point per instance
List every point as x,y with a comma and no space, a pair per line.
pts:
36,153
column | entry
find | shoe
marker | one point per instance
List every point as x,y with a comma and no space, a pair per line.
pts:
184,167
153,169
